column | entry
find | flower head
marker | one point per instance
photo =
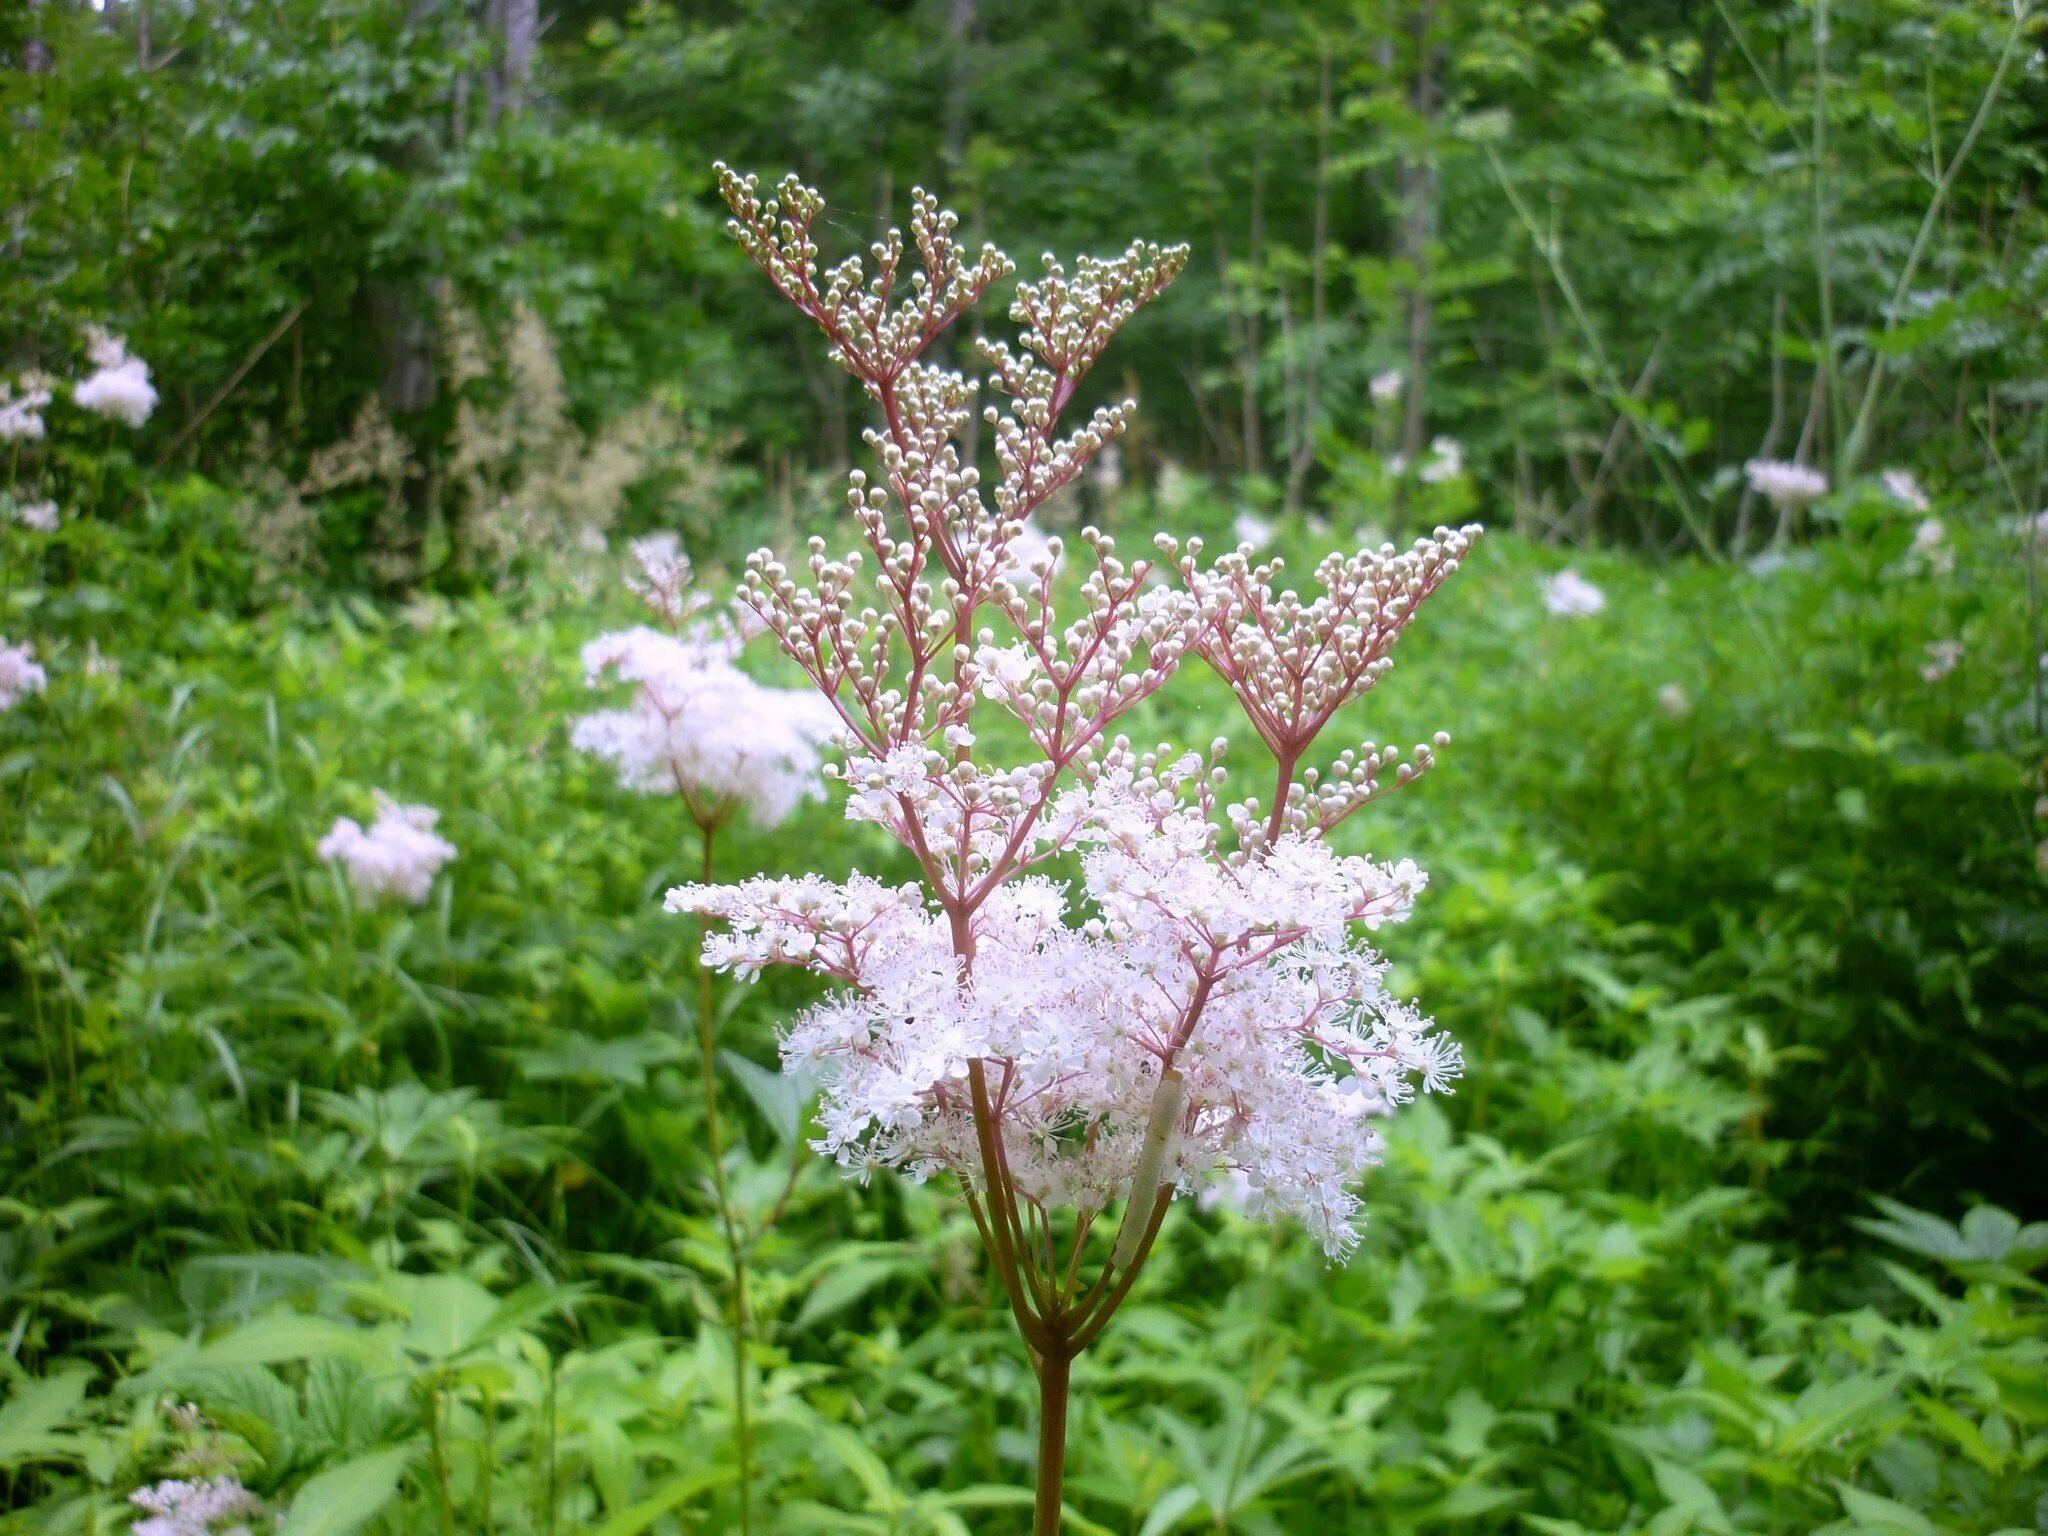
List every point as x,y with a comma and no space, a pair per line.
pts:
21,416
1943,657
119,386
20,673
38,516
1788,487
1568,595
697,725
1386,387
1201,999
197,1508
397,857
1250,529
1900,485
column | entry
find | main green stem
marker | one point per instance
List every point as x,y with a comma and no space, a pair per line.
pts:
742,1329
1054,1371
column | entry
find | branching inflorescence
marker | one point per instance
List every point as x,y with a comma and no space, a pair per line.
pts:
1203,1008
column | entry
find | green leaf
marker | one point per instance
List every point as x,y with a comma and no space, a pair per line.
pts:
344,1498
1875,1512
636,1518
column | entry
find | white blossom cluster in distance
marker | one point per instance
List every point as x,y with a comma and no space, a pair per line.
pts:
396,856
20,673
119,385
1568,595
1209,963
697,726
21,414
1788,487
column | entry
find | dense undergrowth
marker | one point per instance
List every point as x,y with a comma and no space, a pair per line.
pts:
1735,907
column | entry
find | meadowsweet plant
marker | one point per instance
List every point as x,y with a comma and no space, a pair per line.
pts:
396,857
699,728
1196,1003
118,387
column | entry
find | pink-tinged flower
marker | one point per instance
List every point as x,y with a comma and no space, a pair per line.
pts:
701,728
1201,1000
1788,487
398,856
119,386
20,673
1900,485
205,1507
698,726
1568,595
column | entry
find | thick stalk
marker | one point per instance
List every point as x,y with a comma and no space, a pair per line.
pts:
1054,1370
715,1145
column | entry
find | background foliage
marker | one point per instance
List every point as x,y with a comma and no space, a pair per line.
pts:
1735,1225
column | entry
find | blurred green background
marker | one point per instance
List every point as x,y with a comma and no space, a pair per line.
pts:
1737,883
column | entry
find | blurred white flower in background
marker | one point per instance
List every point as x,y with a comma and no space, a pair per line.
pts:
119,388
1568,595
1674,701
398,855
1252,529
1943,656
20,674
38,516
1446,461
198,1508
701,728
1387,386
21,418
1031,547
697,725
1900,485
1931,549
1788,487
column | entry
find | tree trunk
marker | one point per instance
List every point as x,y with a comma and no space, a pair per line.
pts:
1418,183
515,28
1319,252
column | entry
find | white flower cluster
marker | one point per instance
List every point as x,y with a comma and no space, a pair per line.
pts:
1568,595
1242,976
38,516
398,856
697,725
21,416
1943,657
119,385
1386,387
1902,487
20,673
1199,1007
1446,461
198,1508
1788,487
1930,549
